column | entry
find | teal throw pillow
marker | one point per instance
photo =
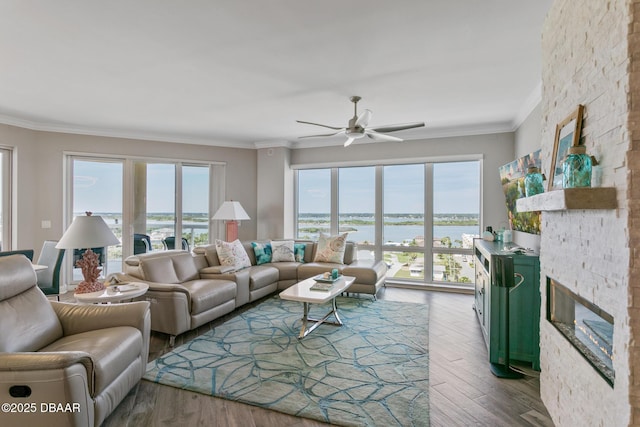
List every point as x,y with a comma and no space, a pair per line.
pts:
298,251
262,251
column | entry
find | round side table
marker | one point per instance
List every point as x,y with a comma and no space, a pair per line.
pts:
113,294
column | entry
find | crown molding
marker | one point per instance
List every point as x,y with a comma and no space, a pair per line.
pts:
273,143
116,133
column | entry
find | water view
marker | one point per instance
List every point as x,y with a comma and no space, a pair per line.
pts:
407,230
401,230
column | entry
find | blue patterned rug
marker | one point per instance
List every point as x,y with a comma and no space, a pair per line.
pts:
374,370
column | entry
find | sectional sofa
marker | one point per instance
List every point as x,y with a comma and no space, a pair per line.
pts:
187,290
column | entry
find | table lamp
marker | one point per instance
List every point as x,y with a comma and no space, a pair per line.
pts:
88,232
231,212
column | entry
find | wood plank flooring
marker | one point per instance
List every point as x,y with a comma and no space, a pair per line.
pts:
463,392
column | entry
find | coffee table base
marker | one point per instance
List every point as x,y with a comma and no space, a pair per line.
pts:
304,331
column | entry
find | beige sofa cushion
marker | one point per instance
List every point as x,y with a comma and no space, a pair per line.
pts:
208,293
262,275
177,268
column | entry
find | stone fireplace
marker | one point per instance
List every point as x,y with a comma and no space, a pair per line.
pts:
590,56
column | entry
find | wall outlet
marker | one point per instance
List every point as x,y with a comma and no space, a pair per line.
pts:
46,223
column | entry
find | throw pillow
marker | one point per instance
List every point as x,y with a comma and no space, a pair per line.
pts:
232,254
298,251
331,248
282,251
262,251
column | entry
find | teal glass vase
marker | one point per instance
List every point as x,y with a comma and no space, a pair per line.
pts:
533,182
576,170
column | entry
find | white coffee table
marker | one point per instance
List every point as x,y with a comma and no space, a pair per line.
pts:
119,293
301,292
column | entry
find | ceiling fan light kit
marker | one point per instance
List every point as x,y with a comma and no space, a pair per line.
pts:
357,127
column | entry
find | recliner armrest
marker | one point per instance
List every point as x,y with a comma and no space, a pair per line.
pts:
28,361
40,361
82,318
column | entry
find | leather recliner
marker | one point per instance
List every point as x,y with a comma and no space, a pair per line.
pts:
64,364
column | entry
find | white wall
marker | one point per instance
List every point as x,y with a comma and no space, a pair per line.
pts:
274,194
39,172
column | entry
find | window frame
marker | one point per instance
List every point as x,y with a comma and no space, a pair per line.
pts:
217,172
429,251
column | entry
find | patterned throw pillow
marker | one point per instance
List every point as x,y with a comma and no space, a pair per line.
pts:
232,254
262,251
331,248
282,251
298,251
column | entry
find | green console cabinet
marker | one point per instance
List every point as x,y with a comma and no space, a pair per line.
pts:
524,303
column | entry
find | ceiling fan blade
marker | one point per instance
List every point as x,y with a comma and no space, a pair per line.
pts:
381,136
349,141
363,118
318,124
325,135
395,128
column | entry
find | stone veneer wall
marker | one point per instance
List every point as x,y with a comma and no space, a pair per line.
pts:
587,48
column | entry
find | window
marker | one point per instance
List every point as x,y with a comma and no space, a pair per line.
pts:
357,204
404,214
456,207
160,200
155,183
195,204
97,188
314,203
5,198
420,218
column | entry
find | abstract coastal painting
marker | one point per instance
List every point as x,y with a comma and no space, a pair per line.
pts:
512,179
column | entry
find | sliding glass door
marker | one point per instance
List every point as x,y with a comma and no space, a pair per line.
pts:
145,203
97,188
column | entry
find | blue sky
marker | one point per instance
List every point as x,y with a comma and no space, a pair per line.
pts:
98,187
456,189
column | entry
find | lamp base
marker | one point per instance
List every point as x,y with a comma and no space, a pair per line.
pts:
90,271
86,287
232,230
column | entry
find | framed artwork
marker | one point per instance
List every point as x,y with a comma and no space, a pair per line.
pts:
567,135
512,179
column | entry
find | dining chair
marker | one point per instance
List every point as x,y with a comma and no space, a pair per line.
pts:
49,279
170,243
141,243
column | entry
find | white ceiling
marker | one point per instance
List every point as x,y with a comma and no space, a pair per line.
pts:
240,72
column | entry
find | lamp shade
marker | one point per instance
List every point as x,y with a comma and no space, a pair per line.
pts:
231,211
87,232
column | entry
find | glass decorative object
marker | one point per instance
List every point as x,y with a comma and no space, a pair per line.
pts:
576,169
533,182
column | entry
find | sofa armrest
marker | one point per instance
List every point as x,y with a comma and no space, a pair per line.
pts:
217,269
366,271
153,286
76,318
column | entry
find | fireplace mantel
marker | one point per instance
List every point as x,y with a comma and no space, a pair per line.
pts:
570,198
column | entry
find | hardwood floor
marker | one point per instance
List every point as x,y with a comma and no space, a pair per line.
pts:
463,392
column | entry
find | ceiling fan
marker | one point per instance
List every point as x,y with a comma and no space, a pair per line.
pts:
358,127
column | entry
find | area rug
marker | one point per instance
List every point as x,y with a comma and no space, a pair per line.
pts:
373,370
